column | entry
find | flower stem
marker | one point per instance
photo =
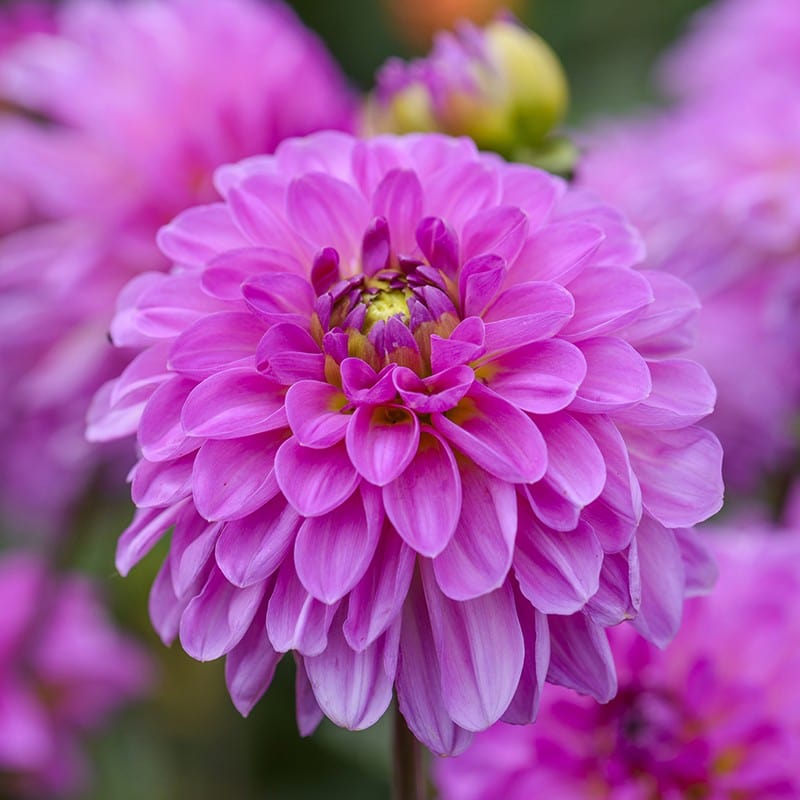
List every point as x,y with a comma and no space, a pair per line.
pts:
409,781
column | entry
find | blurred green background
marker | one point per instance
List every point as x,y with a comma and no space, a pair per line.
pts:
187,741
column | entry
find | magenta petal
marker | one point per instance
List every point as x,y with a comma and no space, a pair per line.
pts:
620,592
363,385
557,571
376,247
424,502
328,212
352,688
190,550
295,620
314,412
465,344
478,283
315,481
375,602
161,435
249,550
557,252
165,606
279,297
161,483
616,513
481,651
309,714
290,354
438,392
439,244
398,198
525,313
679,472
214,343
224,276
250,666
332,551
233,403
606,299
381,441
500,231
580,657
698,563
541,377
617,377
460,191
146,529
197,235
575,466
496,435
419,683
215,621
663,580
682,395
477,558
525,704
234,477
551,507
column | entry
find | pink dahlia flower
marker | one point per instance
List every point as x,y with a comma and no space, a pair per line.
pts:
414,417
712,188
63,670
715,715
733,43
141,100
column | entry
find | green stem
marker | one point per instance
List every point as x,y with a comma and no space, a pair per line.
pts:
409,781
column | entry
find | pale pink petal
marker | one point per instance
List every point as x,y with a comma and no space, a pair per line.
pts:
699,565
315,481
195,236
424,502
478,557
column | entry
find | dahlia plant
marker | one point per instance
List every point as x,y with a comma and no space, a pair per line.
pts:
63,670
715,715
114,122
414,417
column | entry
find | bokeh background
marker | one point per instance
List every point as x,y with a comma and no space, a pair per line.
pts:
187,740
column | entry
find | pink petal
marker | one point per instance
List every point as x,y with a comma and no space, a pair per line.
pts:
617,377
580,657
233,403
525,704
280,297
682,395
376,601
295,620
541,377
698,563
620,592
525,313
197,235
460,191
165,606
438,392
146,529
424,502
381,441
250,666
500,231
332,551
190,550
328,212
478,283
363,385
161,483
289,354
352,688
314,411
398,198
663,580
224,276
478,557
466,343
481,652
558,252
679,472
309,714
606,299
495,435
216,620
161,435
234,477
557,571
249,550
419,683
315,481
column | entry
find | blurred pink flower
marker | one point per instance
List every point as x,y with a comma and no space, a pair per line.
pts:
715,715
734,43
63,670
405,403
109,127
712,186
